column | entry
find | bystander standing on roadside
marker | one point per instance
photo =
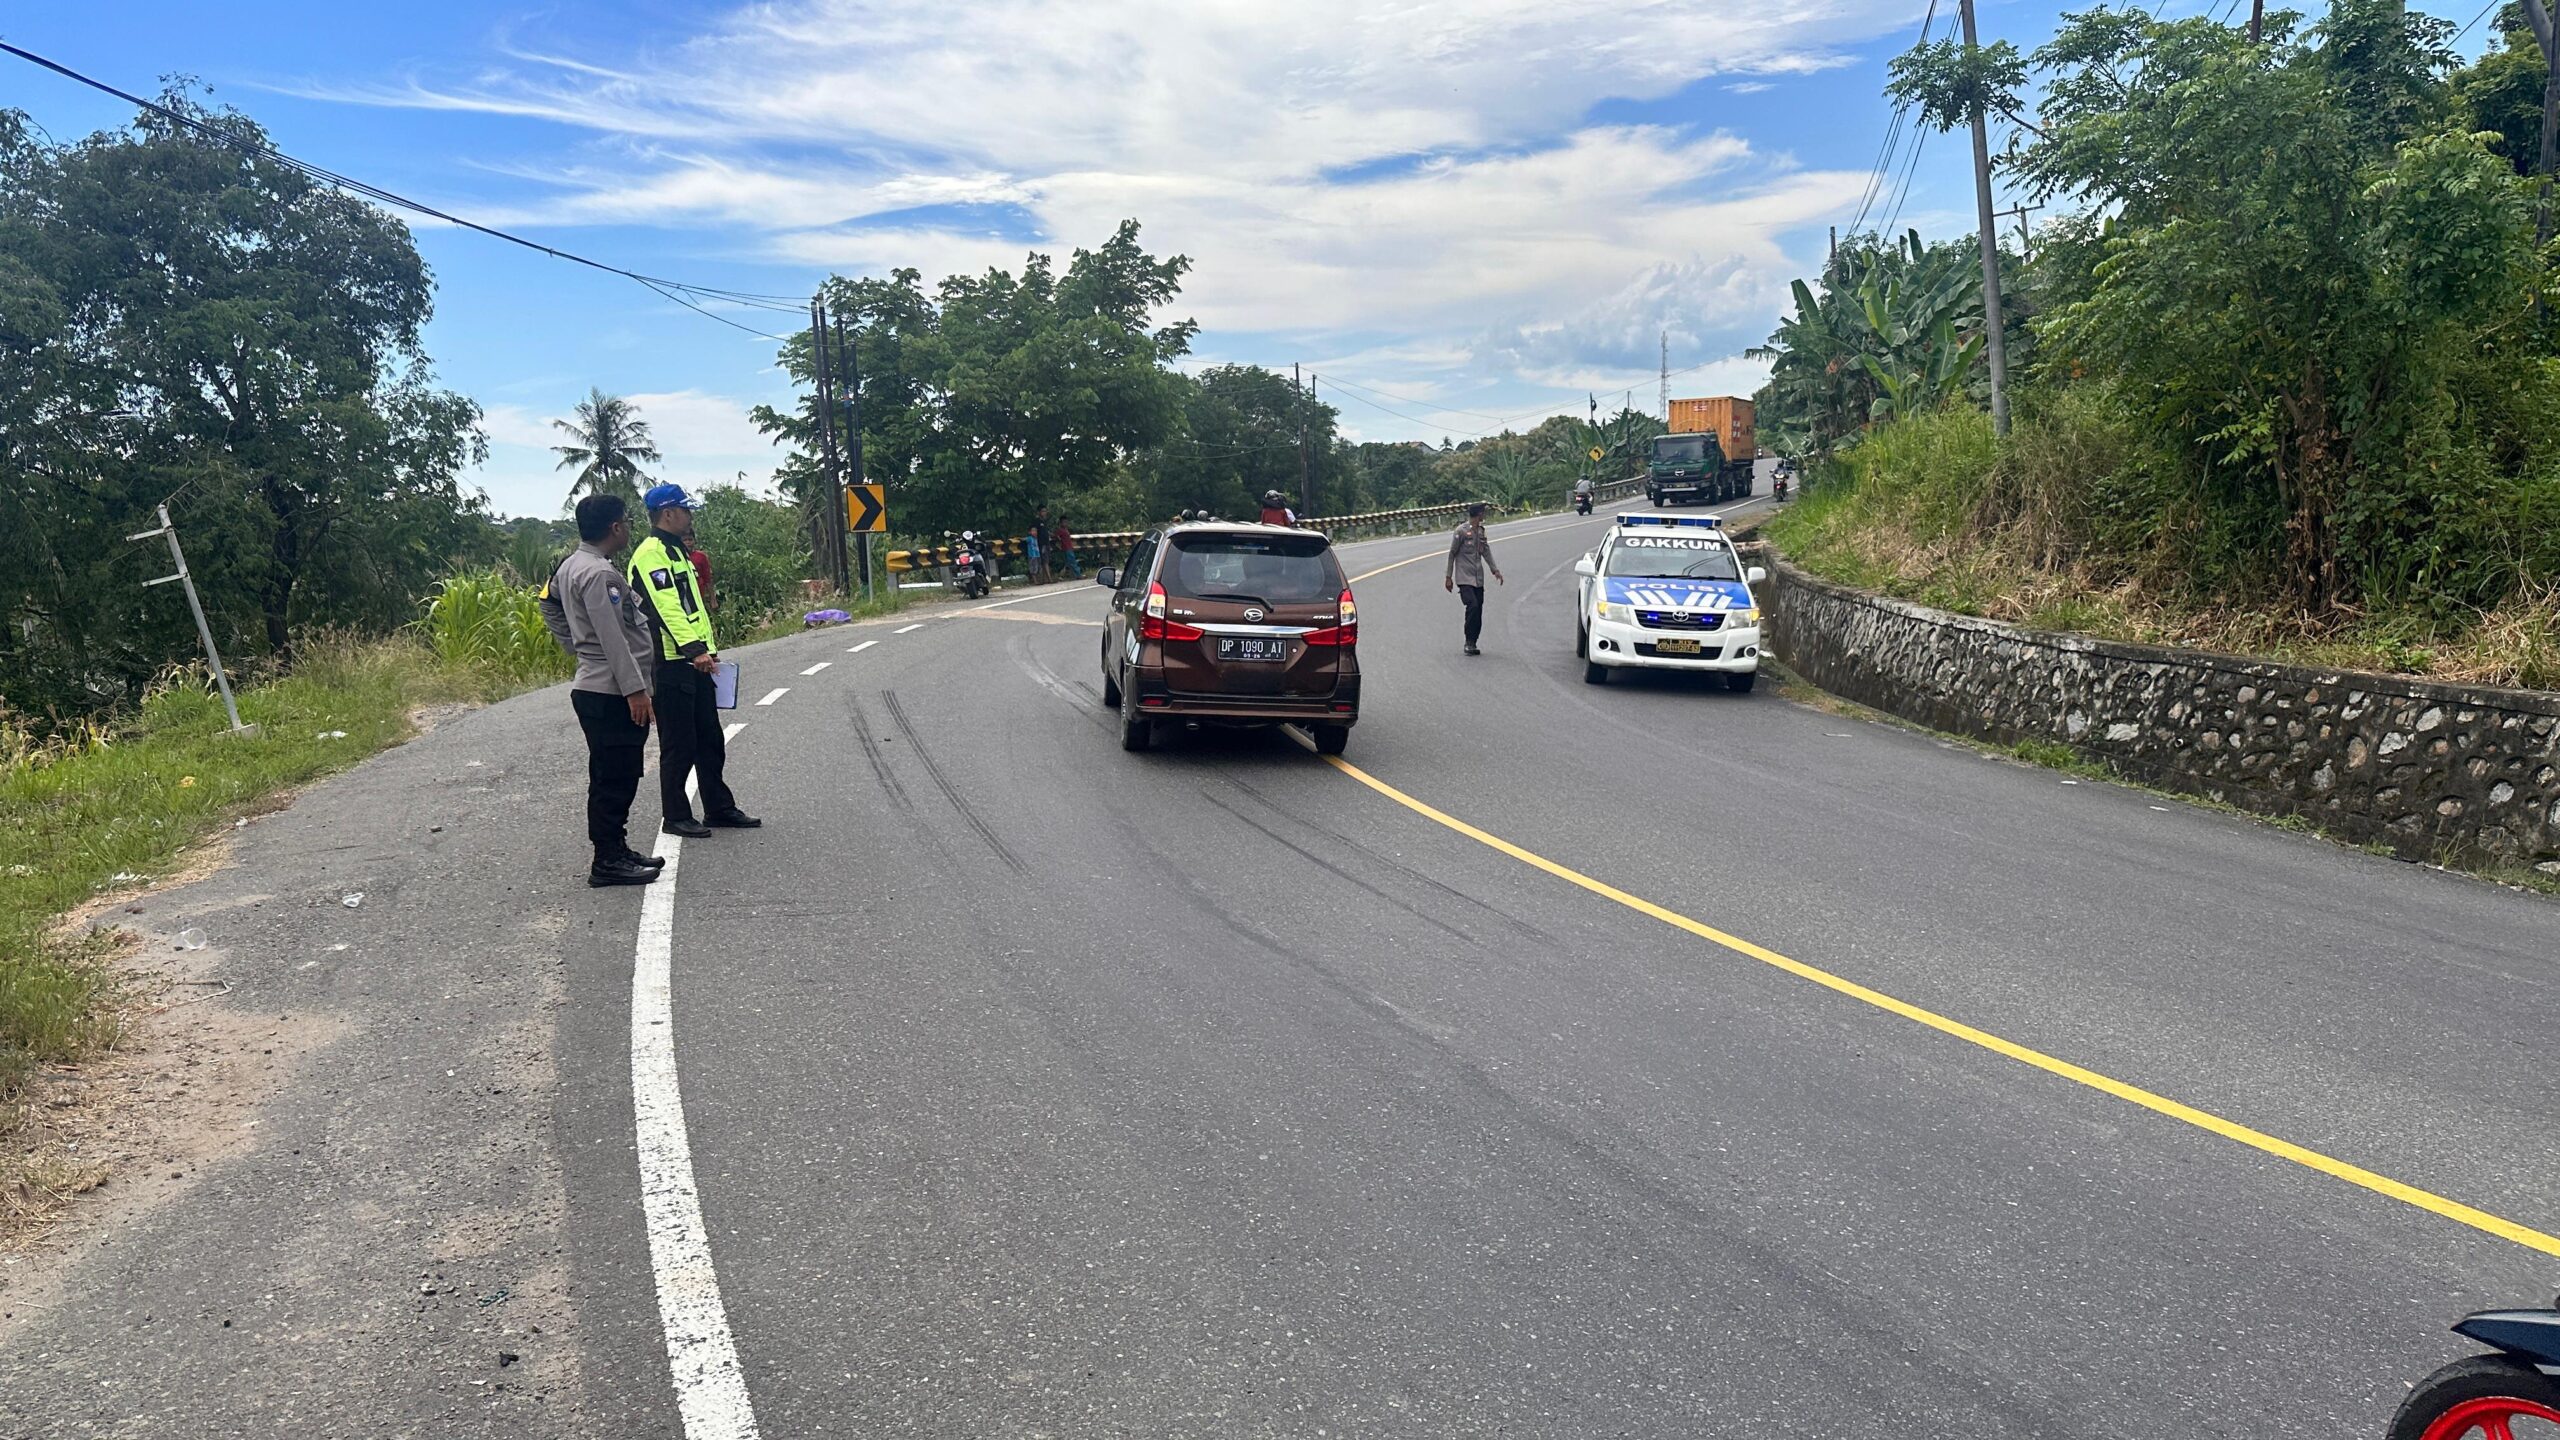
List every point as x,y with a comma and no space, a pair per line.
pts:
701,559
1035,566
590,610
689,738
1062,548
1470,555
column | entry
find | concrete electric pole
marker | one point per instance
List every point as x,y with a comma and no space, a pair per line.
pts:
1995,338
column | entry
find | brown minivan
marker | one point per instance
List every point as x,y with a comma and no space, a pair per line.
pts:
1231,624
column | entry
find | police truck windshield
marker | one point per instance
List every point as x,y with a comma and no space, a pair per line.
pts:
1680,449
1671,557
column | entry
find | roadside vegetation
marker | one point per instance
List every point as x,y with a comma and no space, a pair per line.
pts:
111,804
2286,384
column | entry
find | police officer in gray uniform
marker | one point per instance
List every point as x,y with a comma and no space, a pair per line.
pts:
592,613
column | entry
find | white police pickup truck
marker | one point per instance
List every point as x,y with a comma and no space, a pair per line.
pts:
1668,592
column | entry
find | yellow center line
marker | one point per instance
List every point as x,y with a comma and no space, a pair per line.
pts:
2454,1210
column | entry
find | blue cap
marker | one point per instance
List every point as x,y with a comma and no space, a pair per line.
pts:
660,497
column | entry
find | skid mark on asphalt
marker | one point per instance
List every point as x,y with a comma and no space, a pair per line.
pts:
889,785
1337,871
1085,702
1389,862
2259,1140
933,768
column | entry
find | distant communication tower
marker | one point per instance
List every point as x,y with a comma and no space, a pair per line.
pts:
1666,377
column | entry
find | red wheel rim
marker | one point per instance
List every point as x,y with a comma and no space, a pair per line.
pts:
2490,1416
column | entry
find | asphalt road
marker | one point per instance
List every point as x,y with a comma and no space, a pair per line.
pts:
1038,1089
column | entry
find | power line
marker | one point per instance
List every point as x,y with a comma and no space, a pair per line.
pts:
2475,21
1907,172
1409,400
675,290
1878,177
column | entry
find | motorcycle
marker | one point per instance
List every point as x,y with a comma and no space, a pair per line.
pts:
972,572
2484,1395
1581,502
1778,488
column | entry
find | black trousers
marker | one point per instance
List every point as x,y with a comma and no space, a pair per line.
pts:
1473,595
689,741
613,767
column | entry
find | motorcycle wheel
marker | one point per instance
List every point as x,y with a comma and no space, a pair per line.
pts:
2480,1398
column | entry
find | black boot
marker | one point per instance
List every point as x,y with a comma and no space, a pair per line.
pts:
617,870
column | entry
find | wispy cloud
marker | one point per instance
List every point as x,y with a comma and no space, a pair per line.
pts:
1426,175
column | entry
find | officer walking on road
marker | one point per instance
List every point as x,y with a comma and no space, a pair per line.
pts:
689,740
593,614
1470,555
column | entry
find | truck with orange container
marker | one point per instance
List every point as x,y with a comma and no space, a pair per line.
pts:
1707,457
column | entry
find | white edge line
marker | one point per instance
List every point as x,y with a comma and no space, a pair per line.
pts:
909,629
814,669
865,645
1049,593
702,1356
776,695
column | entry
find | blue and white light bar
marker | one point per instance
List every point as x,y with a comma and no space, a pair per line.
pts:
1694,522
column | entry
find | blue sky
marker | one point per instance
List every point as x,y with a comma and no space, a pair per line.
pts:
1474,210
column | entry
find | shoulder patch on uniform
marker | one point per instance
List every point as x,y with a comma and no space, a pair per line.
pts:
661,576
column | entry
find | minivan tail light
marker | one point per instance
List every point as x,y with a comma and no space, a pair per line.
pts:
1153,625
1347,632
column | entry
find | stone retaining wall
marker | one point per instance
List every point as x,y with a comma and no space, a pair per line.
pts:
2429,770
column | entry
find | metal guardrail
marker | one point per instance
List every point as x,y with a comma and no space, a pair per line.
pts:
1339,527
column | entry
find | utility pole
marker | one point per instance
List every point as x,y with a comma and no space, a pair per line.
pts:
830,535
847,347
1306,474
2026,238
1666,370
2257,20
1995,338
2539,17
169,531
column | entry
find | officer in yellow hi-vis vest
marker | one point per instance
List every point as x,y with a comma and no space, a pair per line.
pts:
688,711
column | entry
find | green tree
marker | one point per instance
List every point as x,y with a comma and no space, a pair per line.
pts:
1001,391
1239,440
608,443
2309,276
181,315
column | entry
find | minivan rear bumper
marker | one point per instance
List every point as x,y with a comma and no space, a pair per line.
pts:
1342,707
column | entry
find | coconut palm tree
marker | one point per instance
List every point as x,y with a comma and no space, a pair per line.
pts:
609,442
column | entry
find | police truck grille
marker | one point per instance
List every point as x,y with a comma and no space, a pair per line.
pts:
1666,620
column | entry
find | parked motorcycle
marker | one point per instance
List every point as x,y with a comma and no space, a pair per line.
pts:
972,571
2482,1397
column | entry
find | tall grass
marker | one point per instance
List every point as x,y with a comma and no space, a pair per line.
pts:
117,805
2073,523
485,620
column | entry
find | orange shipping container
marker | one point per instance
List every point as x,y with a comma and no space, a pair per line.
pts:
1726,417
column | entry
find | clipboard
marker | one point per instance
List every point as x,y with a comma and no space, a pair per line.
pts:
724,685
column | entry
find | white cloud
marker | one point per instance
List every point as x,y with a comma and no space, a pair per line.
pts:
1424,174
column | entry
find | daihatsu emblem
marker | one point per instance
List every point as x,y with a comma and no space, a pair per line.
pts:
1253,614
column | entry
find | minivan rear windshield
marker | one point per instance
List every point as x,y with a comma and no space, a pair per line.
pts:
1274,569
